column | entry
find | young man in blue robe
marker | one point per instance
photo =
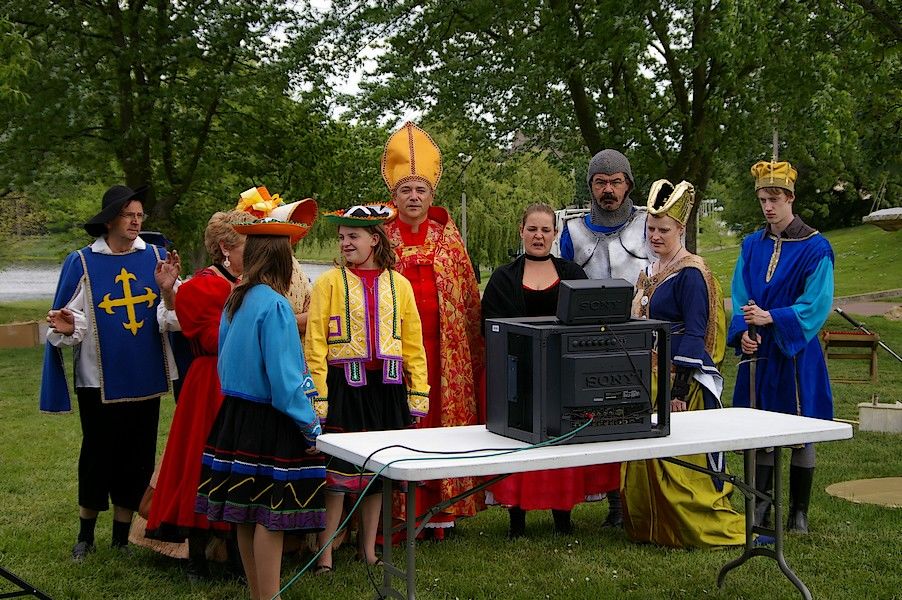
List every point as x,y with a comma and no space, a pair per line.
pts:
783,285
106,309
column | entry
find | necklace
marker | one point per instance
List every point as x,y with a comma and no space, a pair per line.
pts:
225,273
662,267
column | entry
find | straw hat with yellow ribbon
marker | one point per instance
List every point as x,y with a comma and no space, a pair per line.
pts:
774,174
672,201
411,154
269,215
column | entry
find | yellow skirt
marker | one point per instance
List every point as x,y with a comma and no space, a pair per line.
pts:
670,505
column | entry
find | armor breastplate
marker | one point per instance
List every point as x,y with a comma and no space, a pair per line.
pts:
620,255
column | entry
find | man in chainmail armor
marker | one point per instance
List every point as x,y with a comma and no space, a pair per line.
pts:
609,242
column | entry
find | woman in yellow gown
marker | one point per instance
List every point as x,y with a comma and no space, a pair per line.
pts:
665,503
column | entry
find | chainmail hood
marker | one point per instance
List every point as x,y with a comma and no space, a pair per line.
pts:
608,162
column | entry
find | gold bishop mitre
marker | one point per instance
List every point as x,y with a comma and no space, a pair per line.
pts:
411,154
676,202
774,174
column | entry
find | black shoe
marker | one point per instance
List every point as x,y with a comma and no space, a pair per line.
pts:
615,511
798,522
517,523
81,550
562,523
124,550
197,571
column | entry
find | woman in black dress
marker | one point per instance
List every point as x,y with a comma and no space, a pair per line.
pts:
528,287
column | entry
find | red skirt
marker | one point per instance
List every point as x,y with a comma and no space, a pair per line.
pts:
172,509
557,489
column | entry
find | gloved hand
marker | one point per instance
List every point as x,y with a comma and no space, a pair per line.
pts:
679,389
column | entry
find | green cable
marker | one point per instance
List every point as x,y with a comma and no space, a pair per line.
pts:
362,494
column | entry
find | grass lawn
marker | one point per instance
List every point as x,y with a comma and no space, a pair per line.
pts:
866,260
852,552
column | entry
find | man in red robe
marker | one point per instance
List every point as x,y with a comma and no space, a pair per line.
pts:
432,255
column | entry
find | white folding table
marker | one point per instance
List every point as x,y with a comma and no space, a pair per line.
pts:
473,451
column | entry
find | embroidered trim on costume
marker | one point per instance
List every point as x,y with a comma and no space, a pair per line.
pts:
774,258
347,338
354,375
646,287
391,371
396,312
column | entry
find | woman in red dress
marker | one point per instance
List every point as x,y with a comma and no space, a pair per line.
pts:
199,306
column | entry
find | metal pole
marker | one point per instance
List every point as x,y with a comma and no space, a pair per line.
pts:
866,330
776,145
463,216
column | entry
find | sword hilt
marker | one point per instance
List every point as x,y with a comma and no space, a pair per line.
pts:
753,331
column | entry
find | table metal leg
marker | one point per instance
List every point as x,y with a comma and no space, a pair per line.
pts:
751,499
411,541
386,537
389,570
25,588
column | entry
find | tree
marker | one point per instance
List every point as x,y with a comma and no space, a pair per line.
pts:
141,88
664,81
834,92
16,61
681,86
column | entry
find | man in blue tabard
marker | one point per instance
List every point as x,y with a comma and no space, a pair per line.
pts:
783,285
106,307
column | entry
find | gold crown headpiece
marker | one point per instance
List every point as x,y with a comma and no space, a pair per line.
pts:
411,154
774,174
676,202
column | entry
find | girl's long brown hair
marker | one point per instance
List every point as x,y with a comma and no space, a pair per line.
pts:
267,260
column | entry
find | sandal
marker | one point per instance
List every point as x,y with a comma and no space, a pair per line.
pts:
323,570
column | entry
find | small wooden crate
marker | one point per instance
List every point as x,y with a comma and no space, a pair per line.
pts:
864,345
20,335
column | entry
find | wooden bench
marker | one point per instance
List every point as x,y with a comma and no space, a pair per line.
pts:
836,344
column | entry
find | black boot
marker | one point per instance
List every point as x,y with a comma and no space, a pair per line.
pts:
615,513
800,482
764,482
518,522
198,569
562,524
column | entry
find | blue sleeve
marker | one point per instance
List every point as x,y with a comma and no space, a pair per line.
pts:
693,296
566,243
796,325
54,394
289,379
739,295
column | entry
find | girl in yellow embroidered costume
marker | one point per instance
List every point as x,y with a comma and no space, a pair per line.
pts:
364,345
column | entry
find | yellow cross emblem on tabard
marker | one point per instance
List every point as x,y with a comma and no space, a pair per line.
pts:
128,301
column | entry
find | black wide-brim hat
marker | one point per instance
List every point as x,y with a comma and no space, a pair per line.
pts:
113,200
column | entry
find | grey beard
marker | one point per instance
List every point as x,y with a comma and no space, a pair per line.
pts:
612,218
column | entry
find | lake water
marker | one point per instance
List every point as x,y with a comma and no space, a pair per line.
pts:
21,282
